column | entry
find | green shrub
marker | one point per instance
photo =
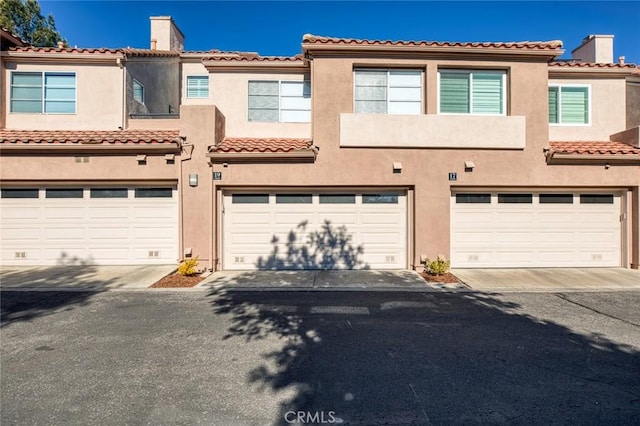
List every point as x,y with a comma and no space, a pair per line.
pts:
188,266
438,266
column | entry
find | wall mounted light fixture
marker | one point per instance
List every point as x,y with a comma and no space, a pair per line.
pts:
193,179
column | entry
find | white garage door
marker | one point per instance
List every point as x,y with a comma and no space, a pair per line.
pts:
315,230
101,226
535,230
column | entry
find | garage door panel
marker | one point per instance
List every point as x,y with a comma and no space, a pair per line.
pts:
472,217
513,217
293,219
559,238
63,213
12,235
251,218
513,238
556,219
375,239
604,237
380,218
535,235
107,213
337,219
64,233
110,233
471,238
53,256
20,213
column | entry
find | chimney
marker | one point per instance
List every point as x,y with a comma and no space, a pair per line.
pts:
60,45
166,34
621,60
595,48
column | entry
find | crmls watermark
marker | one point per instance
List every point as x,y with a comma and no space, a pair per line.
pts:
310,417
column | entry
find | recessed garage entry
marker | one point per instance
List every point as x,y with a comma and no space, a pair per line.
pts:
560,229
89,225
314,230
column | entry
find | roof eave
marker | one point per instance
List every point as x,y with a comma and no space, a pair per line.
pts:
101,148
299,156
589,71
328,48
57,56
557,158
213,65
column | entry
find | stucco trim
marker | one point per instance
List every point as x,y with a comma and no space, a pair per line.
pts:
27,57
165,148
585,72
105,182
318,50
255,65
306,156
564,159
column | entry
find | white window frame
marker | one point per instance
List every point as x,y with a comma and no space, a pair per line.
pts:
134,91
589,104
186,86
43,88
505,90
388,70
279,99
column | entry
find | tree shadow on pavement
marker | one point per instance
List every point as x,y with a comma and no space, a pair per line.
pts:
429,358
329,247
69,272
17,306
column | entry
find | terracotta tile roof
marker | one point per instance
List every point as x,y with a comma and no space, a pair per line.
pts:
572,64
593,147
537,45
252,57
13,37
262,145
35,49
150,52
103,50
83,137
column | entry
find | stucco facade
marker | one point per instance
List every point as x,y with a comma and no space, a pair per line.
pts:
211,150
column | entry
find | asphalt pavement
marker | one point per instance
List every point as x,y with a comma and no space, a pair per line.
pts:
255,358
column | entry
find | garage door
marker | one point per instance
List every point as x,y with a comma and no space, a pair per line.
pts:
535,230
315,230
102,226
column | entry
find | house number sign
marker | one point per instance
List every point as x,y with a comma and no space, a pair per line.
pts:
217,175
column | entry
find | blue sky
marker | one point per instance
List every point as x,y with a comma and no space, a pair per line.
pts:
276,28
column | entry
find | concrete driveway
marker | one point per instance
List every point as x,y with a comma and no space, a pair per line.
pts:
320,280
550,279
85,277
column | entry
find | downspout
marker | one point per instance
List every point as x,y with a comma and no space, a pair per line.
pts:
213,235
120,62
183,145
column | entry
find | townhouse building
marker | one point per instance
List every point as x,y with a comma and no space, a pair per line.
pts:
352,154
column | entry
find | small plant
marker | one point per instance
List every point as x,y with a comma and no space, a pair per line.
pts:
439,266
188,267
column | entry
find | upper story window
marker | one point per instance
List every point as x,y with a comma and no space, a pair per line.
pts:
138,91
569,104
280,101
388,91
472,92
197,86
43,92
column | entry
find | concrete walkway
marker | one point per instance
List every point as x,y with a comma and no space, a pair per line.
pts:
550,279
85,277
322,280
